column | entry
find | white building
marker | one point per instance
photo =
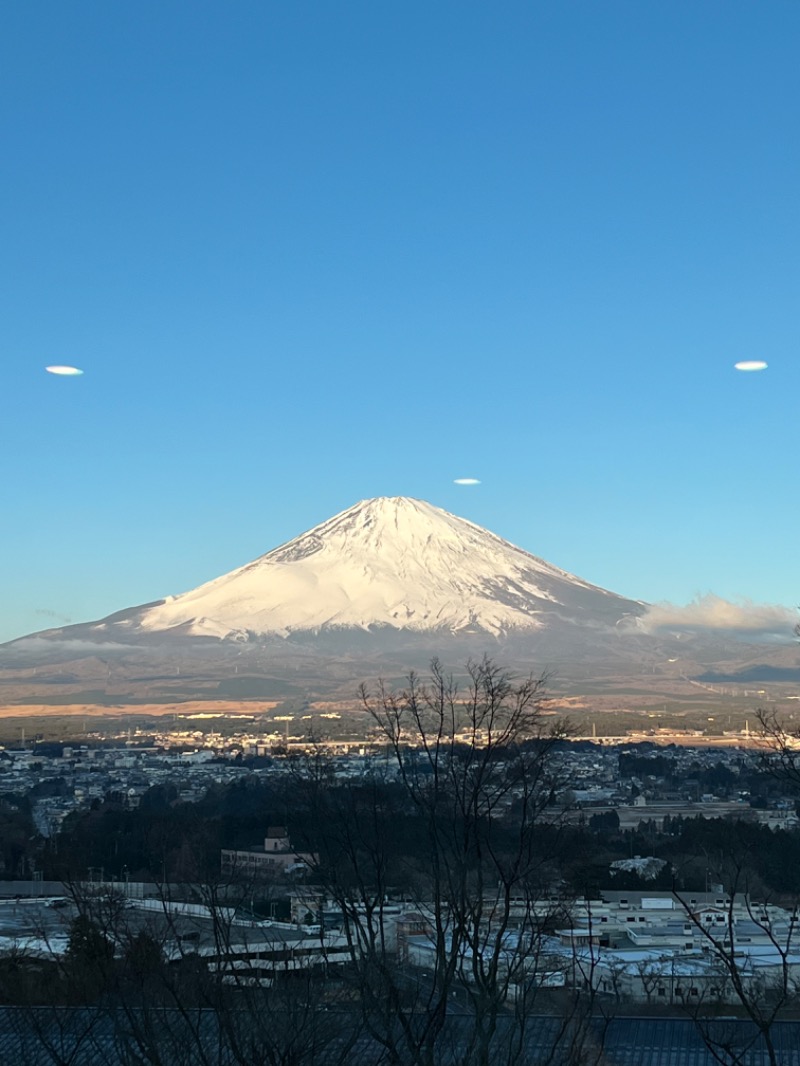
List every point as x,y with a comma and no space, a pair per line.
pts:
274,857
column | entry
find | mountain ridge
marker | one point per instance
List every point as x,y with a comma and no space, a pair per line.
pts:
391,562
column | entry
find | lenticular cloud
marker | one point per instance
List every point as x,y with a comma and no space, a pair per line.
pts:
64,371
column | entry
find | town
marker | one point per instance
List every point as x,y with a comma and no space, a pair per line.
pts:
618,877
693,779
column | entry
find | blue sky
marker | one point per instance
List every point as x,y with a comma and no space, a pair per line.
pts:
310,253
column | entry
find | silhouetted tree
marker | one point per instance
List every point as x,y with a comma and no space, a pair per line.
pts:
470,773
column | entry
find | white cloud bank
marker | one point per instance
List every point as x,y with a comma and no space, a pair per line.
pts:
65,646
745,619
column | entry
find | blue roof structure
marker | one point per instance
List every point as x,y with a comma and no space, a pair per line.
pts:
84,1037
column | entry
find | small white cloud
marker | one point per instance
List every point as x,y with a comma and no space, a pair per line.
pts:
64,371
466,481
748,620
750,364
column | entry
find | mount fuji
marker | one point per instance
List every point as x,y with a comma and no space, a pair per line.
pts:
391,564
376,590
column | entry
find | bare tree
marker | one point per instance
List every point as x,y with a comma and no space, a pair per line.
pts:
458,822
780,749
182,984
763,985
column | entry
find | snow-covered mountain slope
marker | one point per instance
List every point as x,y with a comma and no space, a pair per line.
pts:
388,562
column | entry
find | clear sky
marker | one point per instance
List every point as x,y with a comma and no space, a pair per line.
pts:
308,253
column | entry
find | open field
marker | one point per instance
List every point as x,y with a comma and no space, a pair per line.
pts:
124,710
347,720
69,700
76,722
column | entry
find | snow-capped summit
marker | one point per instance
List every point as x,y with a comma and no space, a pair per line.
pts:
388,562
375,591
